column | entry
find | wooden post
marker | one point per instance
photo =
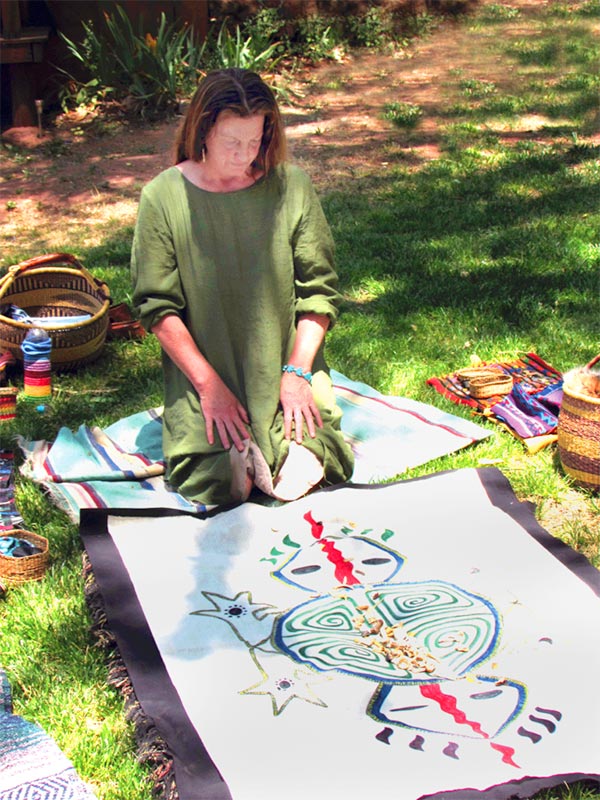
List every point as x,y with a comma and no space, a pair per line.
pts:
196,13
23,100
20,48
11,18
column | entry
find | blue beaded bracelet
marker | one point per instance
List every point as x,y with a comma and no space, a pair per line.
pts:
298,371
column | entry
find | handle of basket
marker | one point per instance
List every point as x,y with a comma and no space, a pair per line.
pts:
54,258
593,362
43,260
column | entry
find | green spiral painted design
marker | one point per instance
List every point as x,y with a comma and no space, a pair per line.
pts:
458,628
344,654
334,616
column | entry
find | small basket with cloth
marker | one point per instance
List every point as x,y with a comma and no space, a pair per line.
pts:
55,291
23,556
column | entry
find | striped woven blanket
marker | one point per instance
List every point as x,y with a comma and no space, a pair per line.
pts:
123,466
32,766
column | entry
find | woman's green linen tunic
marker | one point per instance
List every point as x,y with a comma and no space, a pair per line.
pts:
238,268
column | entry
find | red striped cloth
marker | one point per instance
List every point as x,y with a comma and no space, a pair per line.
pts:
8,403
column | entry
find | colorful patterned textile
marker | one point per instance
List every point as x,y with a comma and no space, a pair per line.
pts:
530,370
8,403
17,548
37,377
7,359
528,414
32,767
392,641
551,396
533,377
19,314
122,466
9,515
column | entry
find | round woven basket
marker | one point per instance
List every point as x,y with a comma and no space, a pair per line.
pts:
490,386
55,286
579,436
15,570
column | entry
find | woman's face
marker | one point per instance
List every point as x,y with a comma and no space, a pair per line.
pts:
233,143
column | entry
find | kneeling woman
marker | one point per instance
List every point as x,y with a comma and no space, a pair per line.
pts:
232,267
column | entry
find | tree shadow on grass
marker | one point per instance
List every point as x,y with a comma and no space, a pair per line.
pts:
505,249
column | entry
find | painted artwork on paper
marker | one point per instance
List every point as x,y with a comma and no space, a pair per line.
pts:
425,647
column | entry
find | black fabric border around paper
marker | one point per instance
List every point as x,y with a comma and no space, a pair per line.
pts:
501,495
196,775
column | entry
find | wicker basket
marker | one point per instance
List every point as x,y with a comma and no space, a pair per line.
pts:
15,570
482,382
56,286
490,386
579,436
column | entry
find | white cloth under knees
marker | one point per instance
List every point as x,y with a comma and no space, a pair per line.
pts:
301,471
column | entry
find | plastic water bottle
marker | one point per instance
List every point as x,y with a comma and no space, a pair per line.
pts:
37,348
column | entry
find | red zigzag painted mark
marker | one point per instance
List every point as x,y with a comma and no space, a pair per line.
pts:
449,705
343,569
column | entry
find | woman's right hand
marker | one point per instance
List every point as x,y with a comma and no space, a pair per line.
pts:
220,407
223,411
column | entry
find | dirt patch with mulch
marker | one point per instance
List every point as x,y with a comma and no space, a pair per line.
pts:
87,171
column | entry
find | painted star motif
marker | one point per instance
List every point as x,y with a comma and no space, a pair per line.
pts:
284,681
251,622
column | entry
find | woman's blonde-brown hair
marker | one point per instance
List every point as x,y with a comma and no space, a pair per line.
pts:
242,92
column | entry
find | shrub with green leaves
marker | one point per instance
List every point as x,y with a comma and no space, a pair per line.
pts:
145,74
476,88
264,28
419,25
498,12
403,115
589,9
372,29
316,38
244,52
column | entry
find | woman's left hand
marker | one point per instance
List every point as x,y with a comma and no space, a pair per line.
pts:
298,406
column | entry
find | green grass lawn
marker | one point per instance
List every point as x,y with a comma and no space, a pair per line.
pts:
490,250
